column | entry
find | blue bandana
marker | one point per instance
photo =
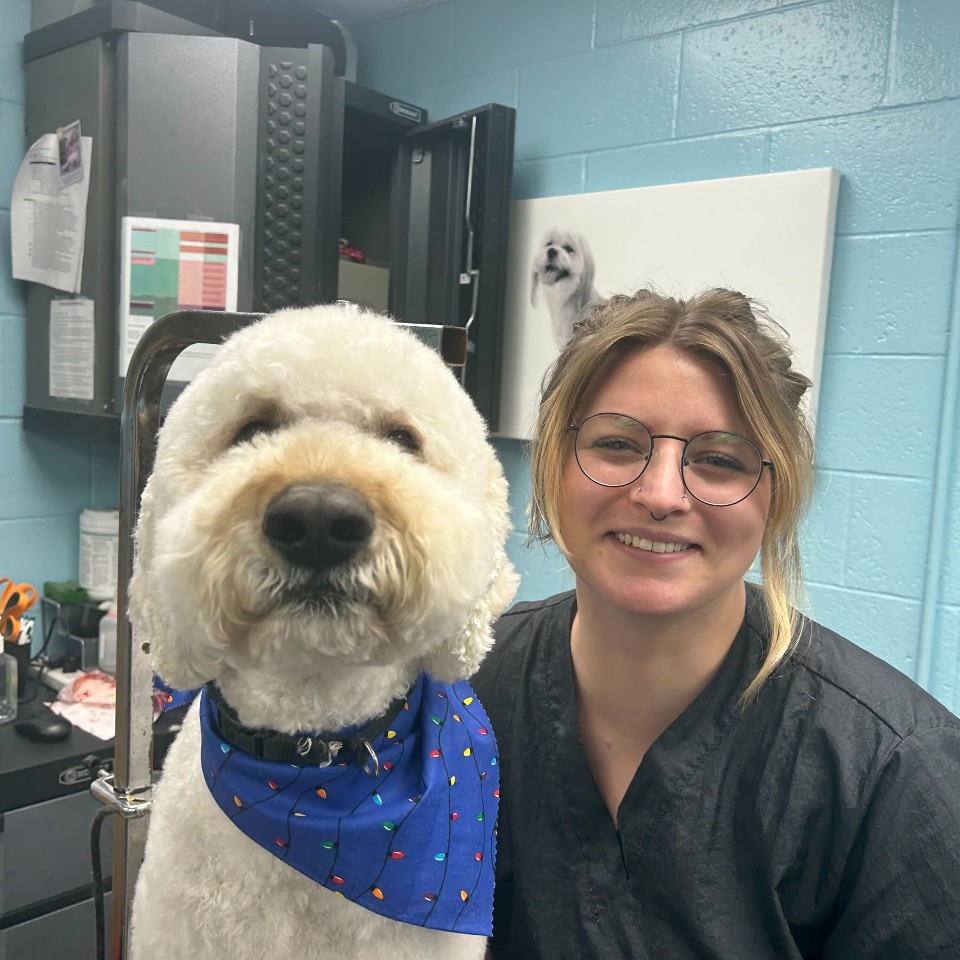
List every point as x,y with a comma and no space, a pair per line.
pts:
415,843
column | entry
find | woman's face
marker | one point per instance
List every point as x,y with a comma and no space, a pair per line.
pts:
675,393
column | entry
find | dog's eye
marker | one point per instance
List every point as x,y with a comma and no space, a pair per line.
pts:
404,437
252,429
568,248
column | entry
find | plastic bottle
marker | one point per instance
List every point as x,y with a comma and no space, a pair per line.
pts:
8,687
99,539
107,649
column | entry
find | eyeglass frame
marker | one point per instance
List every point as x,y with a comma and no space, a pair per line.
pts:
575,427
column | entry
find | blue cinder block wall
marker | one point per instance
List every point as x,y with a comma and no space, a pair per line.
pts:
625,93
622,93
45,481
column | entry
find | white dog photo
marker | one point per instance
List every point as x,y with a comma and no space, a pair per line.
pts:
320,547
563,272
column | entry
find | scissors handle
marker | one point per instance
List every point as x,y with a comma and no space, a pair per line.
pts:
17,598
28,596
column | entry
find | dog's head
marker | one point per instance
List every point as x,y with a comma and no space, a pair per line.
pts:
563,261
324,489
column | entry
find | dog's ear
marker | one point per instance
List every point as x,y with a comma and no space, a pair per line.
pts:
460,659
148,616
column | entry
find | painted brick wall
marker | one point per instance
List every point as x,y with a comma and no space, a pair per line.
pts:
618,93
45,481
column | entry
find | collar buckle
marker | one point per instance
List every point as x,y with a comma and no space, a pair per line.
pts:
325,751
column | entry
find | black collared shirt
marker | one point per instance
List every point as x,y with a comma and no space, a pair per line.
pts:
823,821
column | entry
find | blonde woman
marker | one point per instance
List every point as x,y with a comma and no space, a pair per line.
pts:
689,768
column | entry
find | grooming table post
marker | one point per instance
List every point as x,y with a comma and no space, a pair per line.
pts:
128,788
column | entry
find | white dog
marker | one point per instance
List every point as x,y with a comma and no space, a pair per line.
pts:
563,271
321,544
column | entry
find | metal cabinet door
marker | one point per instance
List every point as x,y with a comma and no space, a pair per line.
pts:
449,236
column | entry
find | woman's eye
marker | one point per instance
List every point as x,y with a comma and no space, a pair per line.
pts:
404,438
252,429
718,461
618,445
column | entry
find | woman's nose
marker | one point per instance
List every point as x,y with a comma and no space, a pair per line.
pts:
660,487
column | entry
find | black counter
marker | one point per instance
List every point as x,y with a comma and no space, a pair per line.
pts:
32,772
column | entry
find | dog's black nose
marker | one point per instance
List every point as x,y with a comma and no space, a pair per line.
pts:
318,526
551,253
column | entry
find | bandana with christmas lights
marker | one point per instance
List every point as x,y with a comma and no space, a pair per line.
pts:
414,842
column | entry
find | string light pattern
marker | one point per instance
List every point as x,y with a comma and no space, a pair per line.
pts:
415,843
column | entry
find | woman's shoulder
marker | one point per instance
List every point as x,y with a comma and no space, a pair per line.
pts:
524,637
528,617
529,627
848,685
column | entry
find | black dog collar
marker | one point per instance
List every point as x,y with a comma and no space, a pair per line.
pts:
303,749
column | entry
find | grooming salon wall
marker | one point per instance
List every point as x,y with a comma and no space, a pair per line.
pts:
616,103
613,95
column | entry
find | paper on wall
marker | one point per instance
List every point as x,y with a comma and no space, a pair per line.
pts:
47,219
168,265
71,348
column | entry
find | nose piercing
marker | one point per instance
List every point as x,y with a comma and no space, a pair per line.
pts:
683,496
658,519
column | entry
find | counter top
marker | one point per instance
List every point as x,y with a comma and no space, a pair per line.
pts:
31,772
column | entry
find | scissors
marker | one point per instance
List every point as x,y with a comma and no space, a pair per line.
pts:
15,600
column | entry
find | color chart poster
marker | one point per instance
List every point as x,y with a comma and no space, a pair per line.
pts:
171,265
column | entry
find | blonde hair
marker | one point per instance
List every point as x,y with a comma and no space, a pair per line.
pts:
734,332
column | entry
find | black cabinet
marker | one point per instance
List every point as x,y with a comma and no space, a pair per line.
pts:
191,125
46,812
426,203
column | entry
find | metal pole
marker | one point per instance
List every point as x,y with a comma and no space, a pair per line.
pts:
160,345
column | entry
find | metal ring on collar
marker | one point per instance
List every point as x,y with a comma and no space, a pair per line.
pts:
370,762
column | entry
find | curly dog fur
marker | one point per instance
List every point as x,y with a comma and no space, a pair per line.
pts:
316,399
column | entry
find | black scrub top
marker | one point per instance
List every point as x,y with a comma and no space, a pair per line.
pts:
821,821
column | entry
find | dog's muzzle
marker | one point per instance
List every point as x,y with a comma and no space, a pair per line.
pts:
318,526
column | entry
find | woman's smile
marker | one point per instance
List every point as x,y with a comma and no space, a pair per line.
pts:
652,546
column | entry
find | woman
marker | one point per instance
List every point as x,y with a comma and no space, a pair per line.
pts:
689,769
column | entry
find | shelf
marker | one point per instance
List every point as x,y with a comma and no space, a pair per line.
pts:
101,427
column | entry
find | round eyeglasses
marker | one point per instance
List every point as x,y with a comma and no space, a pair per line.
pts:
717,467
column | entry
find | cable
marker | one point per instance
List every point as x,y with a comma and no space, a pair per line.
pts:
37,660
94,764
46,639
100,912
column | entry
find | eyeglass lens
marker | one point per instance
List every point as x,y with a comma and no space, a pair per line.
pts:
718,468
